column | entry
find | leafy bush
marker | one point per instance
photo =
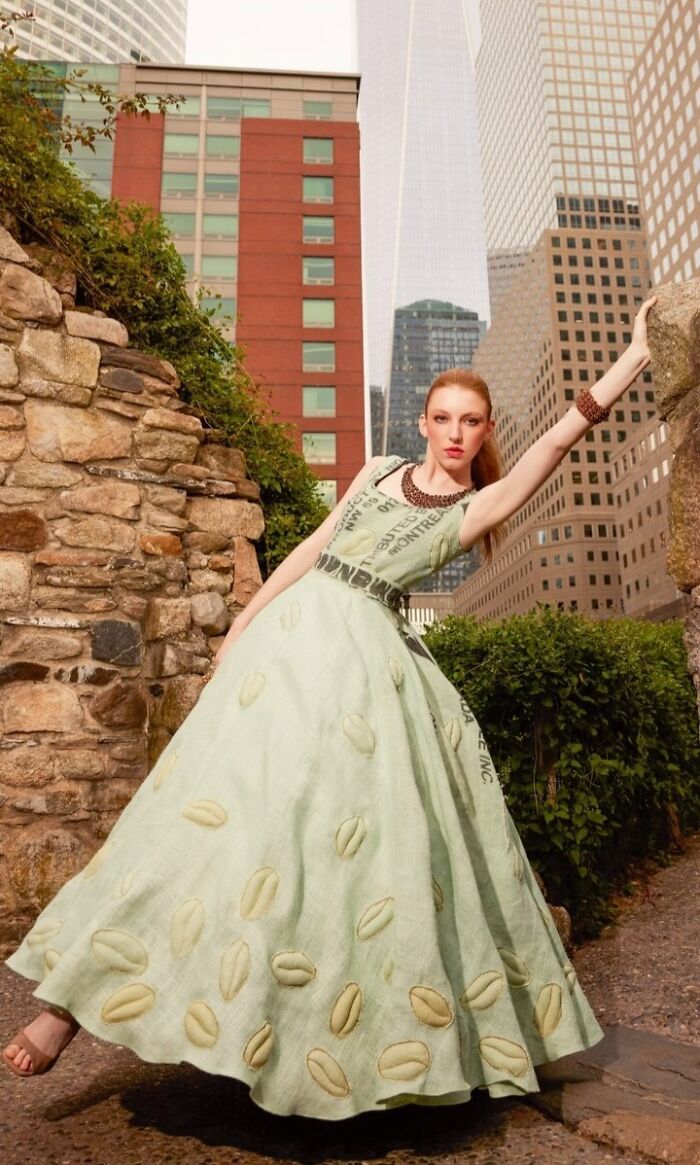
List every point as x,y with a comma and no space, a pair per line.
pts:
128,267
593,730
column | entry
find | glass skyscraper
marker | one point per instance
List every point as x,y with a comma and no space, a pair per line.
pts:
422,216
108,30
429,336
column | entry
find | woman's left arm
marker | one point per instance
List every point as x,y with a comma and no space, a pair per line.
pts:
501,499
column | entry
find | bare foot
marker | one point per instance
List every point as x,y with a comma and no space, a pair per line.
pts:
51,1031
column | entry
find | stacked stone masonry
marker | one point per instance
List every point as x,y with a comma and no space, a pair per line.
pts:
126,546
674,343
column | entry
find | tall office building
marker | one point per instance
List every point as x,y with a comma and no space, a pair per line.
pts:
664,100
641,474
422,215
565,319
108,30
257,177
556,144
560,187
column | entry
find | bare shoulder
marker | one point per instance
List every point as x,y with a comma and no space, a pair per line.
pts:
486,509
362,475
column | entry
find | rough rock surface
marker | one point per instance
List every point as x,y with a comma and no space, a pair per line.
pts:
107,625
674,343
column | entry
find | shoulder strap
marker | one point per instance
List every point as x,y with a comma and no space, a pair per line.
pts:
388,465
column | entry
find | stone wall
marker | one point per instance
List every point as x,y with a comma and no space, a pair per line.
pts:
126,544
674,341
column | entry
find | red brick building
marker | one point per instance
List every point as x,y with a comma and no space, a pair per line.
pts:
258,177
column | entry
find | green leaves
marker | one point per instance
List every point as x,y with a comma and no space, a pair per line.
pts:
593,729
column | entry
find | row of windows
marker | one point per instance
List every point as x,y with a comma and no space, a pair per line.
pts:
592,581
568,532
186,145
643,482
213,266
233,108
184,185
316,151
226,108
640,449
643,549
590,557
214,226
316,270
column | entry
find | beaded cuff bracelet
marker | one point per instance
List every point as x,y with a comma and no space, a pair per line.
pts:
588,406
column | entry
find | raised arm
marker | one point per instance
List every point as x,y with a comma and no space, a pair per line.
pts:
501,499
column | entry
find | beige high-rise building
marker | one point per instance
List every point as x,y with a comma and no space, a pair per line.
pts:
664,100
641,469
560,178
565,319
554,130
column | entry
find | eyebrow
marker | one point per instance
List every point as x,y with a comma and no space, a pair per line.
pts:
468,414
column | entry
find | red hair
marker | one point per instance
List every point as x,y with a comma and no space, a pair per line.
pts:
487,465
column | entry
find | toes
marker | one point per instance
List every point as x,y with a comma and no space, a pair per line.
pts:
19,1056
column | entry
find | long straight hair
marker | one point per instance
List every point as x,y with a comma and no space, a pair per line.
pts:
487,465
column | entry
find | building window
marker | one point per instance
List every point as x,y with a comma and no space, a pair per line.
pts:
318,356
319,313
220,226
180,225
181,144
318,230
223,146
329,491
219,305
256,107
178,185
221,185
319,448
317,270
321,110
224,107
187,108
318,151
317,401
220,266
188,263
317,190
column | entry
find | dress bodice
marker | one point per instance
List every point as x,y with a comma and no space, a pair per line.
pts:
392,541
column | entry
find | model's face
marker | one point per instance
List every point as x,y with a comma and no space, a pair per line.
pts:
456,425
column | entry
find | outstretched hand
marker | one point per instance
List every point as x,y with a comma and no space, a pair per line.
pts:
639,333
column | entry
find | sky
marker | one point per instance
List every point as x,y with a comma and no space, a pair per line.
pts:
309,35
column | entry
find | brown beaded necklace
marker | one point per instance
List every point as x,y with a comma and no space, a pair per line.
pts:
418,497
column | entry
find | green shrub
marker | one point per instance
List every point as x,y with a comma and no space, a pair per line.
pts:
593,730
128,267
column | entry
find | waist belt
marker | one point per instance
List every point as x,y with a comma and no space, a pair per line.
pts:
359,576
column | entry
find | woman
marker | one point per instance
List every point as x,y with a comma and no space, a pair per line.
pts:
319,889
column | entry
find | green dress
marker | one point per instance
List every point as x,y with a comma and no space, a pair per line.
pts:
319,889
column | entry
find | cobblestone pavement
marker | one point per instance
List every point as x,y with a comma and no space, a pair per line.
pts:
101,1105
